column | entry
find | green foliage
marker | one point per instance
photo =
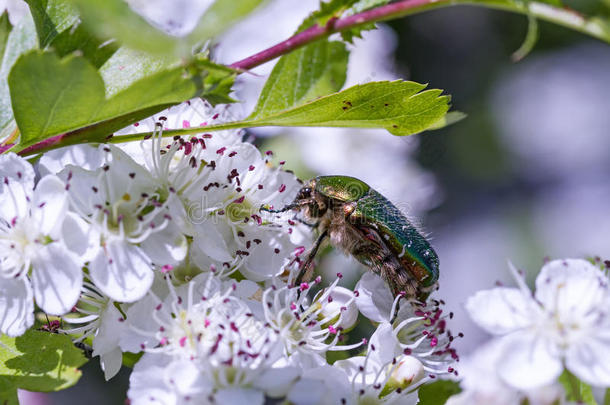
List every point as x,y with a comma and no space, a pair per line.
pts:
51,17
303,75
58,26
400,107
327,10
576,390
53,96
5,30
437,392
37,361
115,19
20,39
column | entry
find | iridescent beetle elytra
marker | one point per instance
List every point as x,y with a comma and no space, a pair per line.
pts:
364,224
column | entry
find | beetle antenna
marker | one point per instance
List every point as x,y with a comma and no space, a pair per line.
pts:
286,208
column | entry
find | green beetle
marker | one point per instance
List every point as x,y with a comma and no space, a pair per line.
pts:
364,224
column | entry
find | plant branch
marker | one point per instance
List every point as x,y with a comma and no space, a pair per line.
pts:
561,16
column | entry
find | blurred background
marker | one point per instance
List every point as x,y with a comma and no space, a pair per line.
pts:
525,176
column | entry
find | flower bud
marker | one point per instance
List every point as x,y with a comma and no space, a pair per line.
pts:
340,306
407,371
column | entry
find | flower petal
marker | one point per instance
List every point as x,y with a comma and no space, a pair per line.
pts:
16,169
276,382
239,396
111,362
500,310
589,361
87,156
16,306
110,330
49,204
80,237
374,298
528,361
165,247
385,344
57,279
208,241
122,271
572,287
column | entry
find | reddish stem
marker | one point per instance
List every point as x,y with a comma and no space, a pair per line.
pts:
334,25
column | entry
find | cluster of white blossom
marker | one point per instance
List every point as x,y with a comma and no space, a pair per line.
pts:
561,328
158,247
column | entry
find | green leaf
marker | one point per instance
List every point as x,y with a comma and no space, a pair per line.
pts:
51,17
5,30
53,96
115,19
20,39
38,361
576,390
437,392
400,107
58,26
78,38
363,5
327,10
303,75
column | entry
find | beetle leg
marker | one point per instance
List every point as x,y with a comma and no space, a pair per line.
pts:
301,221
310,257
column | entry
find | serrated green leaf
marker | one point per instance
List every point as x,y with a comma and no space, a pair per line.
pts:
360,6
303,75
39,361
51,17
53,96
115,19
327,10
437,392
576,390
363,5
400,107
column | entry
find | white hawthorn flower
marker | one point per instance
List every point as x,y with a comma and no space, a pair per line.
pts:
481,384
306,329
35,232
129,224
565,322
